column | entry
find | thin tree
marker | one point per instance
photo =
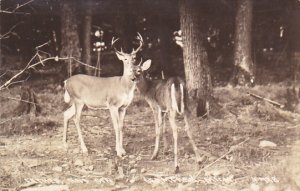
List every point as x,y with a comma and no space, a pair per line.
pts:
243,73
197,73
70,46
87,29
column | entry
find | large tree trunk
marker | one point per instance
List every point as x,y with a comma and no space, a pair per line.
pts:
0,39
86,49
294,39
197,73
243,65
69,35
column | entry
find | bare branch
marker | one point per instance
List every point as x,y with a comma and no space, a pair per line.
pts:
19,6
3,74
28,66
5,35
16,82
14,11
40,46
19,100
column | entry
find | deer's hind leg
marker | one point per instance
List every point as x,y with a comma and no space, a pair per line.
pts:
191,140
78,110
172,118
68,114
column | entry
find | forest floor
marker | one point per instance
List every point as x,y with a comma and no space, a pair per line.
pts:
32,155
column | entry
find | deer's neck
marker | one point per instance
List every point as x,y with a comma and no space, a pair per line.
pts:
144,85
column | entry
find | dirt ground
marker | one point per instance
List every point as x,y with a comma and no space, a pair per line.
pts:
32,156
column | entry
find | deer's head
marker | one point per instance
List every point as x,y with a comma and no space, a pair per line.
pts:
128,59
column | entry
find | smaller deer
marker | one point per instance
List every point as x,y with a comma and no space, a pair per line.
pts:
165,96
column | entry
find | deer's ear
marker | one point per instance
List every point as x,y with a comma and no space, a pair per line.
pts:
146,65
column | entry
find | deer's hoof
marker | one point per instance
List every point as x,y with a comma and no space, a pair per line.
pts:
154,157
177,170
121,153
84,151
65,146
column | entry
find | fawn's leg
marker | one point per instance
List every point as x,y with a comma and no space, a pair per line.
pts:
187,129
122,112
68,114
77,124
164,132
172,119
157,118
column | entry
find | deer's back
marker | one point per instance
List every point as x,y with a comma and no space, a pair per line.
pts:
159,92
96,92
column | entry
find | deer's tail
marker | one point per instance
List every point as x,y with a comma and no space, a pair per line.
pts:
67,97
177,96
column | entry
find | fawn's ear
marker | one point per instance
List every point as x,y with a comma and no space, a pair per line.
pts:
146,65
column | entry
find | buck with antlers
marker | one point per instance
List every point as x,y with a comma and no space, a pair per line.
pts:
113,93
165,96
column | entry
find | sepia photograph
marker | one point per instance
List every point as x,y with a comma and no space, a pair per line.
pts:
130,95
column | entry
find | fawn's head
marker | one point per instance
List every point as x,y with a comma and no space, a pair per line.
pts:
128,59
141,68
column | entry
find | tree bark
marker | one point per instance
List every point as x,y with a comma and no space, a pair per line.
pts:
243,73
197,73
0,34
294,39
86,49
70,44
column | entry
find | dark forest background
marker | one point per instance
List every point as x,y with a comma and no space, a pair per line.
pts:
243,42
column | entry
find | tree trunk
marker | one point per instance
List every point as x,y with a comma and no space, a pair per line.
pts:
87,29
197,73
243,73
0,38
294,39
69,36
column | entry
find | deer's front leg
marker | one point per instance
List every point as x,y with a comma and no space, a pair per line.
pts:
114,112
122,112
158,127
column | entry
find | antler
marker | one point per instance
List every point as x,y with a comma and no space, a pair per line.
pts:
140,62
141,41
113,40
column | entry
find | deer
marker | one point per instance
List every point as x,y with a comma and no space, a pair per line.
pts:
112,93
165,96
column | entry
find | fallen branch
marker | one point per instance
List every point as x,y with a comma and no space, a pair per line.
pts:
233,148
266,99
